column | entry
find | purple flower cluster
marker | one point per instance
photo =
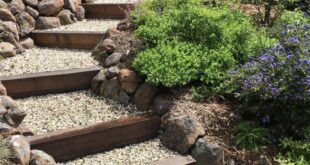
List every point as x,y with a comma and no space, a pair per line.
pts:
283,73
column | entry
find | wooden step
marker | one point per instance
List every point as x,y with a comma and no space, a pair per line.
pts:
106,10
33,84
67,39
77,142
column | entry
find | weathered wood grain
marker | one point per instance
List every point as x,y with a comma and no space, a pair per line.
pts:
106,11
33,84
67,39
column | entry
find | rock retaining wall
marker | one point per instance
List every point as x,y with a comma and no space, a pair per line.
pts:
18,18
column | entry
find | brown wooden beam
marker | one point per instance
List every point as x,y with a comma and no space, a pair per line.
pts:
67,39
176,160
33,84
74,143
106,11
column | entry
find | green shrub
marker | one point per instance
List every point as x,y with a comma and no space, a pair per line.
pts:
250,136
187,41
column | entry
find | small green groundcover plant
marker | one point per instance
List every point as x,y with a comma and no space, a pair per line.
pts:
5,152
186,41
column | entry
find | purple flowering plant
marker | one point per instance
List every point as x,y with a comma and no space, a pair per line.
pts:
277,82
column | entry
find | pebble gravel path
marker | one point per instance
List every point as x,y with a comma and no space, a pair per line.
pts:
100,25
61,111
46,59
136,154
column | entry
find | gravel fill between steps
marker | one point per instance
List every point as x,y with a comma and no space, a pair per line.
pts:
100,25
46,59
136,154
68,110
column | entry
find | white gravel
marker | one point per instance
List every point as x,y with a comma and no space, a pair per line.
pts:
46,59
69,110
137,154
88,25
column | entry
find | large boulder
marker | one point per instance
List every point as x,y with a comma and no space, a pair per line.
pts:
20,148
50,7
32,3
144,96
6,15
16,6
7,50
2,88
25,22
39,157
9,32
111,89
47,22
33,12
206,153
3,5
180,133
129,80
80,13
66,17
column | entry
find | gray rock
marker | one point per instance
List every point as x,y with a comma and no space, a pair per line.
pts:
20,148
66,17
180,133
32,3
16,6
8,102
111,89
144,96
112,72
80,13
27,43
206,153
14,116
25,22
39,157
113,59
97,81
33,12
21,130
6,15
50,7
47,22
7,50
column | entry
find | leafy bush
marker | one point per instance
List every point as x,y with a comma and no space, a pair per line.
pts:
277,83
187,41
251,136
292,17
